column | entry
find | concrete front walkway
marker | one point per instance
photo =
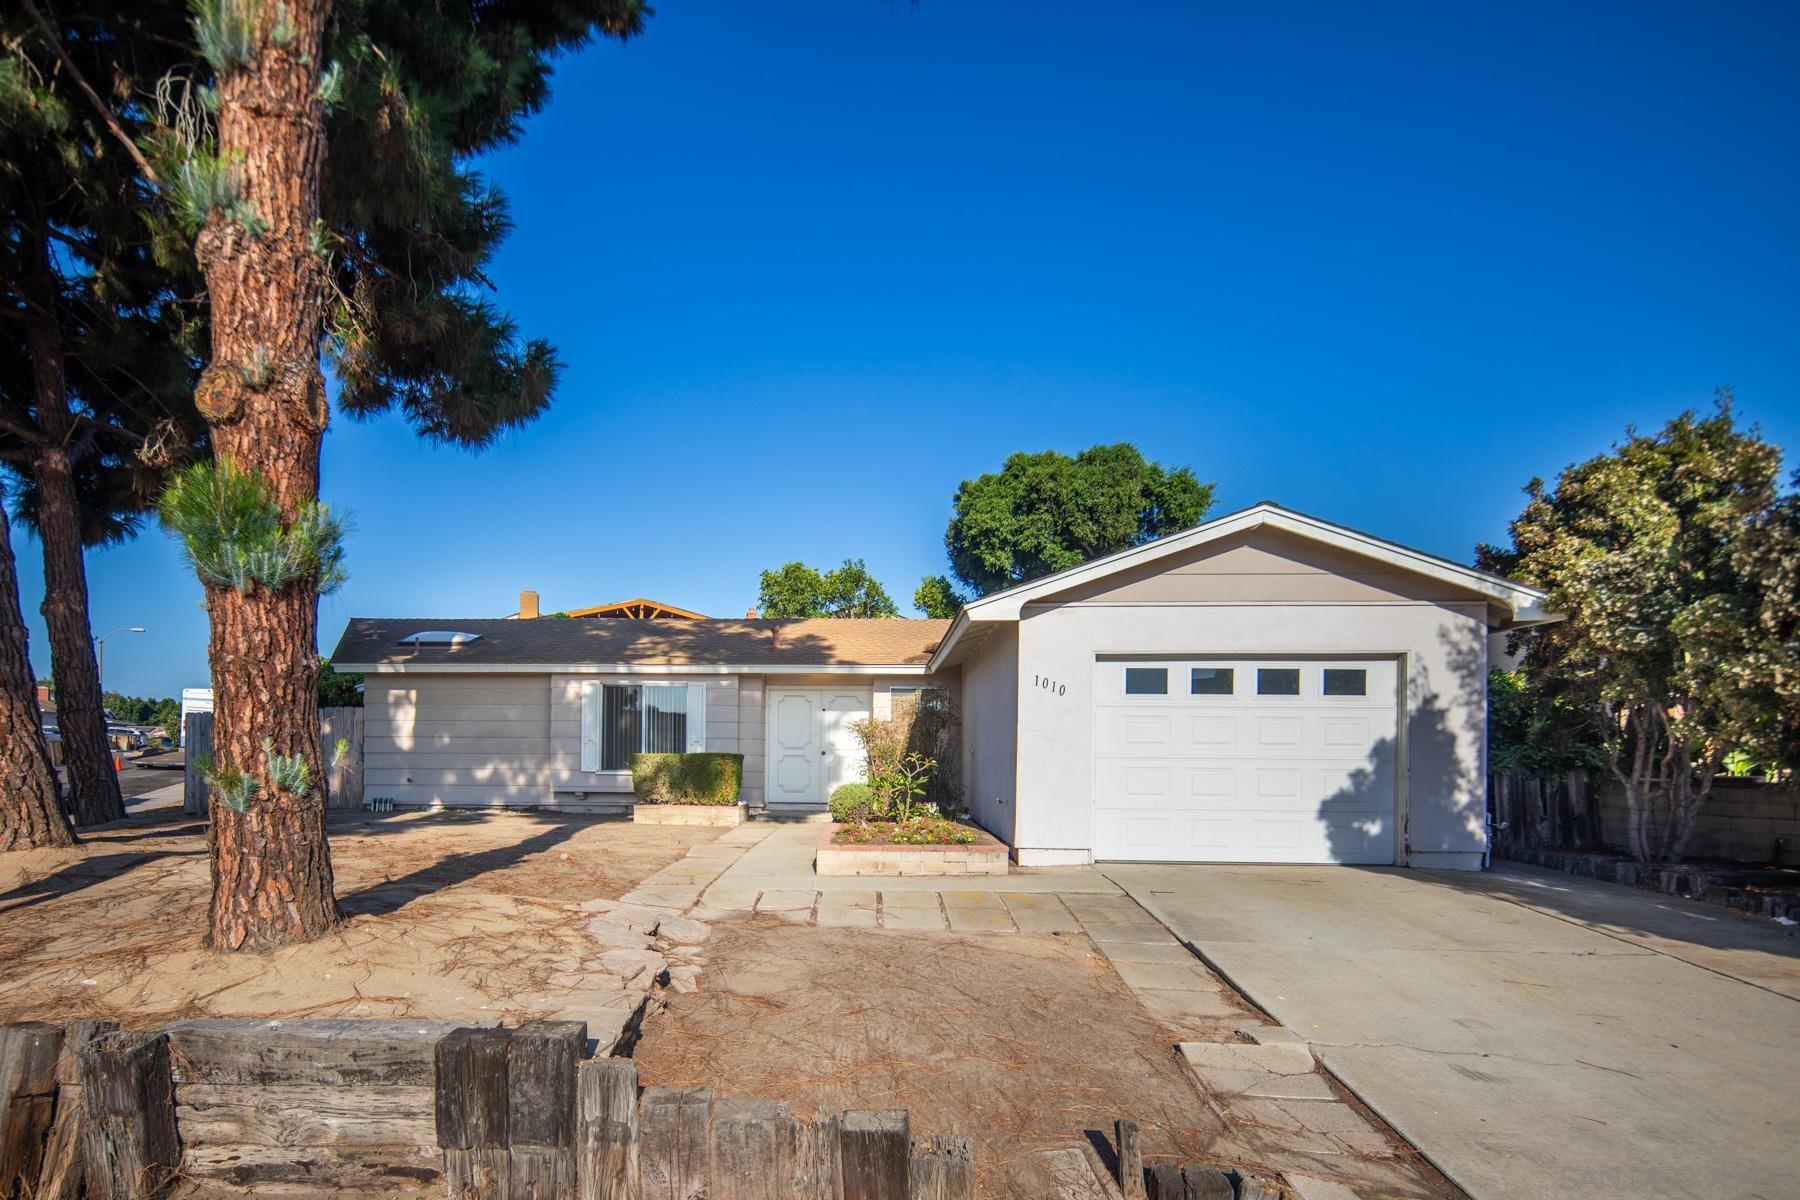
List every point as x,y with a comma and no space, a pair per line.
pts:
775,876
1533,1034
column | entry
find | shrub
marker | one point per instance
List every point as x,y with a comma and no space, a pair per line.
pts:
919,831
687,778
923,732
852,804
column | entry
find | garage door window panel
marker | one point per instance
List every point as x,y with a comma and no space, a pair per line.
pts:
1278,681
1211,681
1146,681
1345,681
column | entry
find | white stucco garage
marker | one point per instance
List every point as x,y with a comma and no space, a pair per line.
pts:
1267,687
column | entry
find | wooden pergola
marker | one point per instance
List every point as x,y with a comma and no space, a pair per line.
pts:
639,609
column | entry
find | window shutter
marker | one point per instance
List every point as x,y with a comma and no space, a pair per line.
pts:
696,717
590,727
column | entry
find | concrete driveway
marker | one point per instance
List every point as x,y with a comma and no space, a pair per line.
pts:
1531,1033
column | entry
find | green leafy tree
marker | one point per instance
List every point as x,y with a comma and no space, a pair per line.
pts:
311,162
1046,512
1535,735
141,710
339,689
98,354
938,598
796,590
1653,553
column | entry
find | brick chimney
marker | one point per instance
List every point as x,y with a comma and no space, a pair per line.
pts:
751,615
528,606
44,701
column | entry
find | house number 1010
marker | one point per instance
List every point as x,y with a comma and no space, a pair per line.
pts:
1050,685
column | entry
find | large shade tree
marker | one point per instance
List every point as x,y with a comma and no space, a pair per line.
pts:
313,161
795,590
373,237
1042,513
97,342
1666,556
31,813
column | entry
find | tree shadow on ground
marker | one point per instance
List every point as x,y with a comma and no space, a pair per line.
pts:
1612,906
390,895
82,874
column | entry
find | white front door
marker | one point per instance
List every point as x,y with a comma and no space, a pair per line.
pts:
1246,760
811,748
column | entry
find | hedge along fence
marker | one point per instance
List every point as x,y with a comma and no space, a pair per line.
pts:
420,1107
708,778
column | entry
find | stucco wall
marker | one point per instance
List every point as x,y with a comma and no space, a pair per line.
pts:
990,716
457,740
1441,645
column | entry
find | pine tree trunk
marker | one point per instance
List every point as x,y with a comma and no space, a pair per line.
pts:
31,812
80,711
264,395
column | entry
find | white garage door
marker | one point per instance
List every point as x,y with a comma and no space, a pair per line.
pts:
1246,760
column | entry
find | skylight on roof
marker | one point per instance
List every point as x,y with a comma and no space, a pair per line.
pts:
439,637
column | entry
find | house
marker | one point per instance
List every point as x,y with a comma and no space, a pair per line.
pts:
1266,687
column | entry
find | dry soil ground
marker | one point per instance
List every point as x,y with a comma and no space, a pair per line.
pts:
448,916
1018,1041
1021,1042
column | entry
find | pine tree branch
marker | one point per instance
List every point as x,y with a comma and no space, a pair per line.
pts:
106,114
23,430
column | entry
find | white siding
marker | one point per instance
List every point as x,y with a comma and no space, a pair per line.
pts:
751,743
457,740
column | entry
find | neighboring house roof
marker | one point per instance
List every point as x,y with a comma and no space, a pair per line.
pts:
639,609
854,644
1519,605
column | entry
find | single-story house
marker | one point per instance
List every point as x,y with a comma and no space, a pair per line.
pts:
1265,687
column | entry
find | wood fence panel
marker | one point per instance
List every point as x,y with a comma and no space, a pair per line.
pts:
131,1145
28,1055
608,1132
421,1107
343,773
196,742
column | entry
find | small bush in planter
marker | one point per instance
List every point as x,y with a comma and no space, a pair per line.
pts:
852,803
687,778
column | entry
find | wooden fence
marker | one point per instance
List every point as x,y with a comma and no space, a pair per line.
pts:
340,729
1544,814
418,1107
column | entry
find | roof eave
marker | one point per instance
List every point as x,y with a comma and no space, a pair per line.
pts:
552,668
1008,605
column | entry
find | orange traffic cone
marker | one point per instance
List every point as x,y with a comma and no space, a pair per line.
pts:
118,761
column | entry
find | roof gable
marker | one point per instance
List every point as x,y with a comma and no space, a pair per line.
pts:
1392,562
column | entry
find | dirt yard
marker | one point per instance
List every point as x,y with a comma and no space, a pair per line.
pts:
449,916
1020,1042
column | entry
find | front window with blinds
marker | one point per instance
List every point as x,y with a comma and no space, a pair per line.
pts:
620,720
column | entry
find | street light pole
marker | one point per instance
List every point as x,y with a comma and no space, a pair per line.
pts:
100,651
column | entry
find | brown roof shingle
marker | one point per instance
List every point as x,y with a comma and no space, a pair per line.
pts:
554,641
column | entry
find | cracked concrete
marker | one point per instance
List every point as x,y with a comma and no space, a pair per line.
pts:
1532,1034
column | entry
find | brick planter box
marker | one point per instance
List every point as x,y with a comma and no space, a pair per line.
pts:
688,814
985,857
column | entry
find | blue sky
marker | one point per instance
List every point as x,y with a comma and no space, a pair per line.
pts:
811,265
